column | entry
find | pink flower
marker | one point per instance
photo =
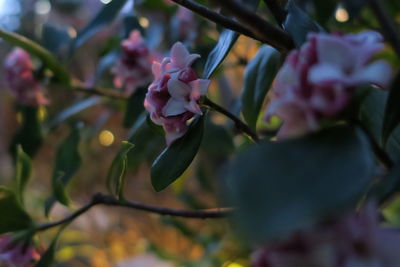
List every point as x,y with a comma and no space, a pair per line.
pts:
318,81
134,67
21,82
185,24
16,254
356,240
172,97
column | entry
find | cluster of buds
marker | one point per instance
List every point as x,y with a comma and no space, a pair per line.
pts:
21,81
133,69
172,97
16,253
353,241
318,81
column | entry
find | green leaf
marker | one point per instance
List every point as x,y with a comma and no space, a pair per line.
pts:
47,258
392,110
36,50
258,78
354,6
225,43
175,159
30,134
134,107
217,140
102,19
23,171
387,186
68,162
279,187
298,24
13,216
324,9
117,172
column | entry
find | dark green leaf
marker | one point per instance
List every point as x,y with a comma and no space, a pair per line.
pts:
23,171
175,159
36,50
134,107
298,24
324,9
117,171
13,216
392,110
258,78
217,140
284,186
354,6
29,135
102,19
384,188
47,258
68,162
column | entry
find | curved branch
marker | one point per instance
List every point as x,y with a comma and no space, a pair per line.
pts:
108,200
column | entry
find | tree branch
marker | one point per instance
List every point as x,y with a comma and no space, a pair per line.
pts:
240,125
271,35
108,200
276,37
388,25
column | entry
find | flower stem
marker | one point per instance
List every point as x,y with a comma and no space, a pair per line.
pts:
108,200
240,125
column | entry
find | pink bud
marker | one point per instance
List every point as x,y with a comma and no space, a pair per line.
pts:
133,69
318,81
21,82
172,97
14,253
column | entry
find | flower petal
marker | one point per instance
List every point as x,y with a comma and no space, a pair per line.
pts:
199,88
324,73
378,73
177,89
174,107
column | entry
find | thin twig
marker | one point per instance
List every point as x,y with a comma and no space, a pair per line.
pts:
271,35
108,200
240,125
388,25
277,11
276,37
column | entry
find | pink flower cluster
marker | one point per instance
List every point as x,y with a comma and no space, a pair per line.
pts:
133,69
354,241
172,98
318,81
16,254
21,81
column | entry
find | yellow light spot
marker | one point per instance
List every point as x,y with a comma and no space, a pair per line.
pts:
144,22
71,32
341,15
234,265
105,1
65,254
106,138
42,113
20,118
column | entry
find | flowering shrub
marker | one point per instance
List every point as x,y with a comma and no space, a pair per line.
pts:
281,123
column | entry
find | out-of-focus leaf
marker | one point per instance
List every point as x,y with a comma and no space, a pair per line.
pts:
23,171
29,135
258,77
392,110
175,159
53,38
298,24
324,9
36,50
48,257
66,6
225,43
13,216
383,189
134,107
217,140
73,110
279,187
354,6
372,114
117,171
67,163
102,19
131,23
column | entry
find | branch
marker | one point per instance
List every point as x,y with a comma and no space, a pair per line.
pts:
80,87
388,25
277,11
276,38
108,200
240,125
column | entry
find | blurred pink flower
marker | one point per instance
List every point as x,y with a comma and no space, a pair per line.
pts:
21,82
133,69
318,81
15,254
356,240
185,23
172,97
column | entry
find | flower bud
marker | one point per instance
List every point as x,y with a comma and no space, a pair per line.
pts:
16,253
